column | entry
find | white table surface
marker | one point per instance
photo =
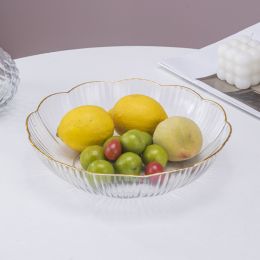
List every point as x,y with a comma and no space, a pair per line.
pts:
43,217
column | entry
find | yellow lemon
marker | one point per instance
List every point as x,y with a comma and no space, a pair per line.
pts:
84,126
137,112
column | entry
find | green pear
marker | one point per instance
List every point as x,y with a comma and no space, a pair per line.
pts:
91,154
179,136
147,138
132,141
155,153
128,163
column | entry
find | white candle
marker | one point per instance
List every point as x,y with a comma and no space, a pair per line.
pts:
239,62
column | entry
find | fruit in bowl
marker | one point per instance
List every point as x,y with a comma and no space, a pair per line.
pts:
180,136
101,166
91,154
63,160
112,148
137,112
135,141
84,126
155,153
129,163
135,152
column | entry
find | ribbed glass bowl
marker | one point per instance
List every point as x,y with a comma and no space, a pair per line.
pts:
42,124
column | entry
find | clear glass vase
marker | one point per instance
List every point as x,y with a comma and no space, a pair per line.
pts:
9,78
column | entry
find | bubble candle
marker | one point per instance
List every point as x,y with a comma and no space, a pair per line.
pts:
239,62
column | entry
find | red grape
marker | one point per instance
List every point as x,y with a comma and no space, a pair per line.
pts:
113,149
152,168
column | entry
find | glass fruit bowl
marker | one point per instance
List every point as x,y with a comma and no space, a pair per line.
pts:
42,125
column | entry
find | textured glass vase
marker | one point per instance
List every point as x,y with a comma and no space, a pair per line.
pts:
9,78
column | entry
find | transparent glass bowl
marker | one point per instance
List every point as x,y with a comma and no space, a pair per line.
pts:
42,124
9,79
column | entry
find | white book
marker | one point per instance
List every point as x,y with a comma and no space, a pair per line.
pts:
200,67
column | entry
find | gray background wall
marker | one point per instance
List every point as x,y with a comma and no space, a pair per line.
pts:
31,26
